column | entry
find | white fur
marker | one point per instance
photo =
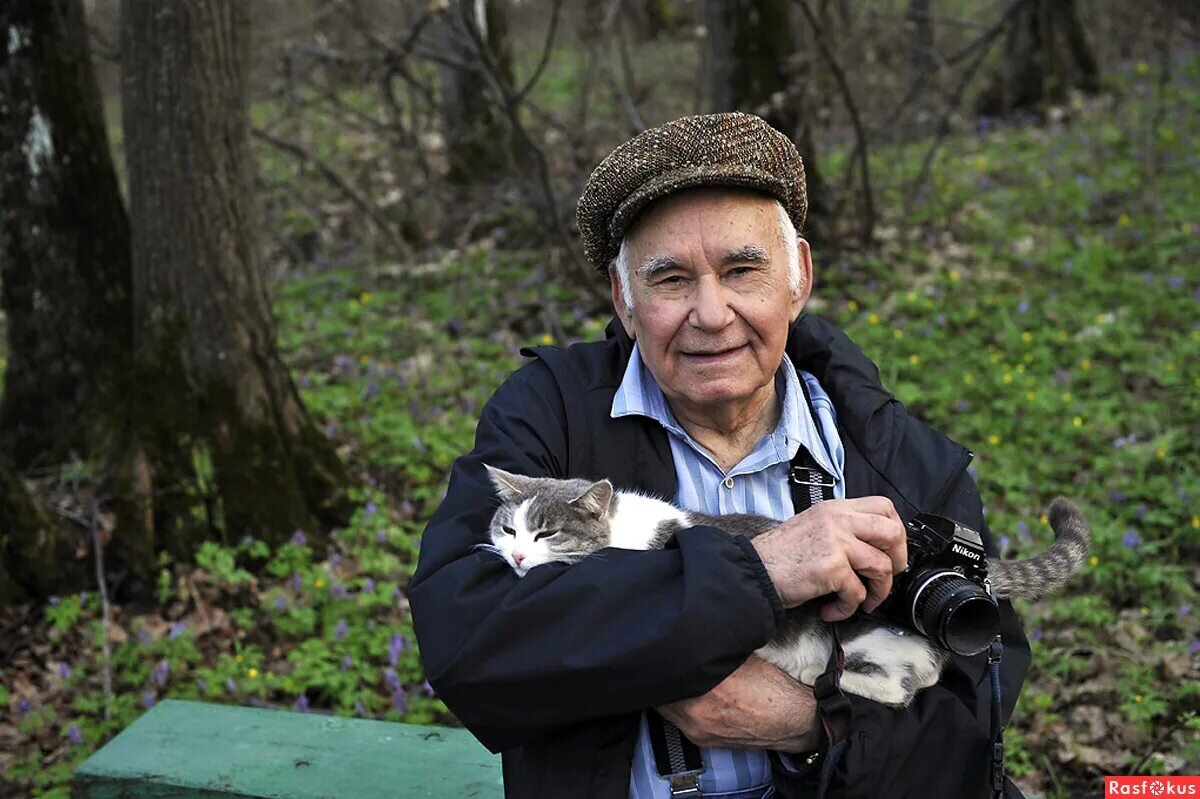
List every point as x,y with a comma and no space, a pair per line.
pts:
638,517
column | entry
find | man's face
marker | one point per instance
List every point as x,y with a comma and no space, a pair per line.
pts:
711,302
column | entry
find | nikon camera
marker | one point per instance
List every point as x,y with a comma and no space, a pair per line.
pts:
943,593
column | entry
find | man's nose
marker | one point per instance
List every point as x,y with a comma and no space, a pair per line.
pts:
711,310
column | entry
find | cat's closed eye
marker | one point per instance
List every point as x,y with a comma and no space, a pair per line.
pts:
546,534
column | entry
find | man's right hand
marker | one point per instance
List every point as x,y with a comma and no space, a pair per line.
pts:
832,548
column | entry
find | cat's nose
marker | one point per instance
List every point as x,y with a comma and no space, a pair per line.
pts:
518,557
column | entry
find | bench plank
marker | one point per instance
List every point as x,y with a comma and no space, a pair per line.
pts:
195,749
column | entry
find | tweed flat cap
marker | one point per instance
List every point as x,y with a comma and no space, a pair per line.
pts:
735,149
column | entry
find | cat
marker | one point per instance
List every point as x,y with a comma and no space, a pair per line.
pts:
549,520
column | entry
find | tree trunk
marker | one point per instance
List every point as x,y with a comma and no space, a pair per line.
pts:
479,144
752,66
64,266
225,447
1045,55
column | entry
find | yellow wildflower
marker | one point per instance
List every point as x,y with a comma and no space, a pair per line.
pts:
1086,364
914,359
1027,337
252,673
1031,395
1077,421
873,318
1028,357
911,296
993,439
954,276
1142,67
1066,397
1044,519
897,333
981,162
1170,367
1162,453
994,357
1093,561
1021,368
968,378
364,359
365,297
1137,697
318,583
547,338
238,657
1196,522
852,305
1008,378
1123,220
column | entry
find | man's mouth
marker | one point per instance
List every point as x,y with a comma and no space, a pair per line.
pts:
714,356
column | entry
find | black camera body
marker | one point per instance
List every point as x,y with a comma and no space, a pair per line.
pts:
944,593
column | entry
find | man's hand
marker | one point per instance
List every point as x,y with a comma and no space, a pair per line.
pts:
756,707
825,549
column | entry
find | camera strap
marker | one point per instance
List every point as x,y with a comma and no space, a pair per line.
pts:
995,652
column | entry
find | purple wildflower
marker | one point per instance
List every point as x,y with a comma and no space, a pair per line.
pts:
347,663
398,596
331,428
359,708
1003,545
202,685
64,671
1184,609
962,406
339,591
177,629
281,602
417,443
24,707
297,581
400,701
1023,530
371,391
299,539
1140,511
1194,647
368,586
74,735
160,673
397,645
231,686
427,689
1175,281
83,597
340,630
143,636
1036,634
302,704
335,561
407,509
54,600
370,509
1116,495
1131,540
381,537
148,699
1023,306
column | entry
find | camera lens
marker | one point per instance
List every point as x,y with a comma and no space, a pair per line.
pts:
953,611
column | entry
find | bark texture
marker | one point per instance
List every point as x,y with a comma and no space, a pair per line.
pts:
225,445
1046,54
65,272
479,145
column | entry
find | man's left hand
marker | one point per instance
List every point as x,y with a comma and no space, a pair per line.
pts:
755,707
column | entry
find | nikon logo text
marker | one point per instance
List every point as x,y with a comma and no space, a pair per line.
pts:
961,550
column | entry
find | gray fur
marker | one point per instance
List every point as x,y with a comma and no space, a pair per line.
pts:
883,663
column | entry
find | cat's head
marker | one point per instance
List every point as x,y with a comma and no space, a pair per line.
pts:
544,520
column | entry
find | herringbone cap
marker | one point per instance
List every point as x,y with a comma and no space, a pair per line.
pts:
735,149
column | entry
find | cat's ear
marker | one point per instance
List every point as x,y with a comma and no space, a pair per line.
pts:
509,486
596,499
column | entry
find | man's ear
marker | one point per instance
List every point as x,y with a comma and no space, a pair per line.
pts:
596,499
509,486
801,295
618,300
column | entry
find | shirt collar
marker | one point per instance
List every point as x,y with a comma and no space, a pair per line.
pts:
639,395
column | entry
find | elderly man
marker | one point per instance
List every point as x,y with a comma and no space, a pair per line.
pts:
713,389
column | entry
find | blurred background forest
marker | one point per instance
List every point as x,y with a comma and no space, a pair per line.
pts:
263,262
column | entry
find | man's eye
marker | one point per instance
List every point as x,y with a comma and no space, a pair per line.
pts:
672,280
546,534
508,529
738,271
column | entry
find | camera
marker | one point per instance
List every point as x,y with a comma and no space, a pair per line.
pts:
943,594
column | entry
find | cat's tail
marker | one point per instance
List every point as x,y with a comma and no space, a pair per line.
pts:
1046,573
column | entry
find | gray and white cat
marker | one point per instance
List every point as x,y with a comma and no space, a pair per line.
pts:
546,520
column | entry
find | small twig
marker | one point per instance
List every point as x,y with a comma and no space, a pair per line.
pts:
105,615
860,136
537,72
337,180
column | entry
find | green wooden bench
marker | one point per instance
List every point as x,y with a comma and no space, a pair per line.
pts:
188,750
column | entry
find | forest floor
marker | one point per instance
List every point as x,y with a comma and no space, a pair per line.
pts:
1040,304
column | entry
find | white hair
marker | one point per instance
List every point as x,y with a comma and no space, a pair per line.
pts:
787,233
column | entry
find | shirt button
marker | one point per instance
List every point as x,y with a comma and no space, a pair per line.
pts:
729,482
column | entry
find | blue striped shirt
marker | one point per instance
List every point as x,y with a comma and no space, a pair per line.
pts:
757,484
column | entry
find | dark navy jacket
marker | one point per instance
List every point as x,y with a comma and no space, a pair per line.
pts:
553,669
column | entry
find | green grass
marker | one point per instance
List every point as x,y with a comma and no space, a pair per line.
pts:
1040,305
